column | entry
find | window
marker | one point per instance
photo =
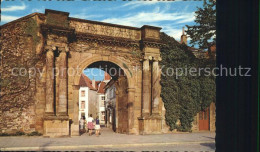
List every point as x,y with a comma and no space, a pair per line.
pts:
82,104
83,93
102,103
103,98
112,93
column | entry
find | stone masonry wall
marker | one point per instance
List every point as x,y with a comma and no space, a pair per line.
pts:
17,103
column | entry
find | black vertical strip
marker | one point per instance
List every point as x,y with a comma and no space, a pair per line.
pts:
236,105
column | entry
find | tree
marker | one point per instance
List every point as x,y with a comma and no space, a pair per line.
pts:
203,32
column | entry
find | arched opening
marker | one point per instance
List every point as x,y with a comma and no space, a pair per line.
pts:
104,84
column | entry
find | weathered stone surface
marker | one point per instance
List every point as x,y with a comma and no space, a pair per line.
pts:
74,44
54,128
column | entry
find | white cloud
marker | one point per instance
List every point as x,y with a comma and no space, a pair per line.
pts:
173,31
169,21
39,10
85,16
188,19
135,4
142,18
7,18
14,8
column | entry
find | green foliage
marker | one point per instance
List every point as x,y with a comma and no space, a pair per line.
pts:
4,134
34,133
186,95
18,133
31,28
203,32
21,133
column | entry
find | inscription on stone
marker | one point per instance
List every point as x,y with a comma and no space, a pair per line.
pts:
106,30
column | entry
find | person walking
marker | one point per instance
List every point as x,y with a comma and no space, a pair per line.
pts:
97,127
90,124
81,125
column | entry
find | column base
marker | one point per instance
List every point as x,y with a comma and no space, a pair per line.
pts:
75,130
56,126
150,125
133,131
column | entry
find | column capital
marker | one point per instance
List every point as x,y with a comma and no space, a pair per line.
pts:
147,58
158,58
50,48
63,49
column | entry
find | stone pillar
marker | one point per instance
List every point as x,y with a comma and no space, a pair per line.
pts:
49,107
130,106
146,88
155,86
62,104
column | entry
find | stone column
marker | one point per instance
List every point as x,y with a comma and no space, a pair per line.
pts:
155,86
146,88
62,104
49,108
130,105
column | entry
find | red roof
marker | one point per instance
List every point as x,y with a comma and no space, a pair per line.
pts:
96,84
101,88
84,81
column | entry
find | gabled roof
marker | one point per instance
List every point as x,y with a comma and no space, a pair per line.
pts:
96,84
101,88
84,81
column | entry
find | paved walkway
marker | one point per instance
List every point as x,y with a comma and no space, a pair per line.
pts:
107,139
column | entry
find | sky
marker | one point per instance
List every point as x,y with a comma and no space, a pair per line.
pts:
171,16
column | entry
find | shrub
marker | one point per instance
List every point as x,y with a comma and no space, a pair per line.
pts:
34,133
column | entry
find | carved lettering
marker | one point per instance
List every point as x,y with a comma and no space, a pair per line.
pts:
105,30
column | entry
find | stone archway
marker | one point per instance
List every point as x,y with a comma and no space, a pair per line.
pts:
123,105
73,43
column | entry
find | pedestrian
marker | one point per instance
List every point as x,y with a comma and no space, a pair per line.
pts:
97,127
84,126
81,125
90,124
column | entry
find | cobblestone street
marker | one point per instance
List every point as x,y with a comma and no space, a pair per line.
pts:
110,141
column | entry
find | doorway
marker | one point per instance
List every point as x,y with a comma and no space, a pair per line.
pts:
204,119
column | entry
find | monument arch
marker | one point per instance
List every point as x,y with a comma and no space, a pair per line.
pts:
70,43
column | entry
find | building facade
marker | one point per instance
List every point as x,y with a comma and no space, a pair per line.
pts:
87,97
101,102
110,103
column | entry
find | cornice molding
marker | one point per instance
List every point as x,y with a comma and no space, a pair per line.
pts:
57,29
152,43
100,39
107,40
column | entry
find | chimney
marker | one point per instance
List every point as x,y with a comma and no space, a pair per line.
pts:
183,37
106,76
94,83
